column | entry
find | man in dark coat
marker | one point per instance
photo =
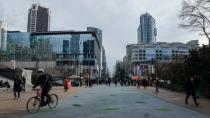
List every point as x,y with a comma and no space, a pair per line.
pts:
45,81
191,90
17,87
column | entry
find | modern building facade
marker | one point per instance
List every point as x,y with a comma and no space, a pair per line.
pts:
38,19
147,30
104,64
3,36
99,35
18,38
143,56
73,52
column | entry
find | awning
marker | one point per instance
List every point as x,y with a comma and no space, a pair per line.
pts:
74,77
137,78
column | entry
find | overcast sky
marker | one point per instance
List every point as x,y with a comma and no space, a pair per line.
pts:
118,19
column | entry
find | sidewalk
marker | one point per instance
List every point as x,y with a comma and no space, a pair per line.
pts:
10,108
179,99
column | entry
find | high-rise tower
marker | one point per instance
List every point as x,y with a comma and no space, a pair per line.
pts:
147,31
3,35
38,19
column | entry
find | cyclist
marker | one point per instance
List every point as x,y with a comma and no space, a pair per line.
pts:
45,82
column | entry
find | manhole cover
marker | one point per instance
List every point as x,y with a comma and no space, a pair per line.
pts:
163,109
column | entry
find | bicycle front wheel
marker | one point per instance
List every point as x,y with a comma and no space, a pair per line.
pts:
33,104
53,101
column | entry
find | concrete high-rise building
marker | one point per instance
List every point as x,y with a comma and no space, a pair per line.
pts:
147,31
3,35
38,19
98,33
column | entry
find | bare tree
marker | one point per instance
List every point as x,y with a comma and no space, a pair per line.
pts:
195,15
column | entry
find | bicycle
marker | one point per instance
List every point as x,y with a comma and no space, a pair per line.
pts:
34,103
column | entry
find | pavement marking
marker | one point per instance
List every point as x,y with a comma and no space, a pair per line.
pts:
113,95
91,93
46,110
140,102
76,105
104,100
163,109
112,109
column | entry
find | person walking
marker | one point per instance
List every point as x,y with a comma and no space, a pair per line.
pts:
191,90
157,84
115,82
17,87
109,81
144,82
138,84
66,82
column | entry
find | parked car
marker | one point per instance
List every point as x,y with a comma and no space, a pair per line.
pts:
75,83
58,82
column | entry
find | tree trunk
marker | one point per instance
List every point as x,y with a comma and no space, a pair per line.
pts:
204,30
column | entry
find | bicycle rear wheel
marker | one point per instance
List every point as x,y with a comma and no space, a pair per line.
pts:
33,104
54,101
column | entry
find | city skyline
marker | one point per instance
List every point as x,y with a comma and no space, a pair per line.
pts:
117,19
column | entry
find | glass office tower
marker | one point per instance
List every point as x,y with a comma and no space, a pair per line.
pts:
70,50
147,31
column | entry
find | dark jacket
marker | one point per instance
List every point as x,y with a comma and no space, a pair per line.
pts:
190,87
45,81
17,84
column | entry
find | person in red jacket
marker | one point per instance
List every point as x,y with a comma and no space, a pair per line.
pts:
66,86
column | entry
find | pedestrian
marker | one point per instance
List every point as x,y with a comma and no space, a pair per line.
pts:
23,83
86,82
17,87
106,82
138,83
115,82
65,85
157,84
144,83
109,81
191,91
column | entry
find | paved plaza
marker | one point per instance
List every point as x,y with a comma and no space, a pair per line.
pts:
115,102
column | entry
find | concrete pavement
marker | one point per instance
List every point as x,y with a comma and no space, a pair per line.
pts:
115,102
10,108
179,99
